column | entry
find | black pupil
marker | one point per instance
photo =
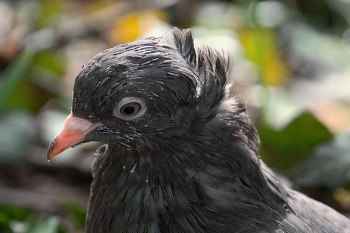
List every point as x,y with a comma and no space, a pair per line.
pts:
129,110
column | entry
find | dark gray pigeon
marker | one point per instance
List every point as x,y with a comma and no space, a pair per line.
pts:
180,154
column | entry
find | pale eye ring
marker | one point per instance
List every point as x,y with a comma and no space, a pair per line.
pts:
130,108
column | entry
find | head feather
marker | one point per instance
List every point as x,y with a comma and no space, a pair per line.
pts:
213,71
210,68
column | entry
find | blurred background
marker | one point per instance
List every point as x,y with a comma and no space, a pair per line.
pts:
291,65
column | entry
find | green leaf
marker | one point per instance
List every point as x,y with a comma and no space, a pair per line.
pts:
328,167
10,215
13,212
77,213
50,60
292,145
14,74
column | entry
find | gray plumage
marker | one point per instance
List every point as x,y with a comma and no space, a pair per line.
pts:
189,162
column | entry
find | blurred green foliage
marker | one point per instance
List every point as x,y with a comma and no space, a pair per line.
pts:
298,49
17,219
13,75
292,145
76,213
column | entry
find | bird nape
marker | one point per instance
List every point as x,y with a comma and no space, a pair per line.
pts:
181,153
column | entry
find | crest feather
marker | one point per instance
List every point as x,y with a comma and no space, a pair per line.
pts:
183,41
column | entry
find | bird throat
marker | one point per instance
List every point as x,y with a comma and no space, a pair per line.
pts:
147,191
130,193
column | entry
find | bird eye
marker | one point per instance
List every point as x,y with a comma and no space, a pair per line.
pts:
130,108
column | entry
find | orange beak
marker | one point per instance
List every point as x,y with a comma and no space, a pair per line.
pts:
73,133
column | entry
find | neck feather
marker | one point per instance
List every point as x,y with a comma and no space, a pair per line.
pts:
180,186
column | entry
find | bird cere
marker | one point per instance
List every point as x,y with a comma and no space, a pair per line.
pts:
180,153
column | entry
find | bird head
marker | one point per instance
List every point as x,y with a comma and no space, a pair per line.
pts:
133,94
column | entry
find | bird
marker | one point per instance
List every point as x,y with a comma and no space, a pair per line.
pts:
180,153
